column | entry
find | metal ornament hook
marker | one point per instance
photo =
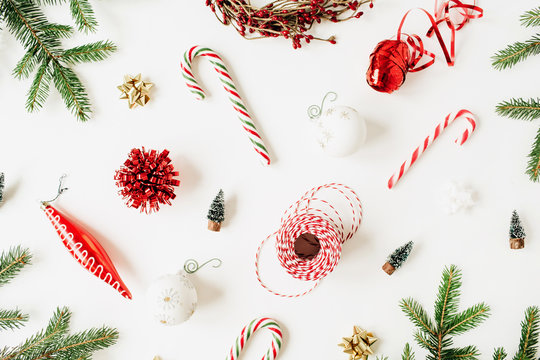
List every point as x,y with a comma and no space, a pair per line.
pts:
60,191
192,266
315,111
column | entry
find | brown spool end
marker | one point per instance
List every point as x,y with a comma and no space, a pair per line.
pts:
388,268
214,226
307,246
518,243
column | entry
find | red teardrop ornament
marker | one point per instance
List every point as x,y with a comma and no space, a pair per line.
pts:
85,249
388,65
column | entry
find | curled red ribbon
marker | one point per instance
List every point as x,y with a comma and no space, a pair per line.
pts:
389,62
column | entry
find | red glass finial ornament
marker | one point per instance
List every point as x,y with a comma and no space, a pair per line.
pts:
393,59
84,247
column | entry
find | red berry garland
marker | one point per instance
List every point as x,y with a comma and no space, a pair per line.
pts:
146,179
288,18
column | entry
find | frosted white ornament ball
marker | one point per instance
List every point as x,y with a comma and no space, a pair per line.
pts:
172,299
340,130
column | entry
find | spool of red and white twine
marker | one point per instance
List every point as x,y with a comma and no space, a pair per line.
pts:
320,218
249,330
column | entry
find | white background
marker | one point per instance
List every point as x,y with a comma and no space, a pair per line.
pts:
210,151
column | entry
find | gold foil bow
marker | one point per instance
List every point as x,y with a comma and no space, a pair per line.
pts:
358,346
135,91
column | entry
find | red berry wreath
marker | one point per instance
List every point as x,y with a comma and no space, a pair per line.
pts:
288,18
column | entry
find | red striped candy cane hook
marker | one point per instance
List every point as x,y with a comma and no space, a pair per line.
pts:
450,118
232,92
247,332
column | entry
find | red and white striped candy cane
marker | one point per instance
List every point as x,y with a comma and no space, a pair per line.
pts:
228,85
450,118
248,330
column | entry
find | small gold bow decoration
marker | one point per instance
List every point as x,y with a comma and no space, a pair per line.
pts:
358,346
135,91
157,358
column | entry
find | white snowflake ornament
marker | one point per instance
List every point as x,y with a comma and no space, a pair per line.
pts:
456,197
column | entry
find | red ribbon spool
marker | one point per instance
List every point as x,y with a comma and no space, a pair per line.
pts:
393,59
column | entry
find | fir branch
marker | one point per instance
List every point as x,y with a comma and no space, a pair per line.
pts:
529,335
39,91
467,320
57,31
520,109
82,13
516,52
465,353
416,313
83,344
11,262
72,91
447,301
533,167
96,51
26,65
34,346
11,319
531,18
499,354
408,354
425,341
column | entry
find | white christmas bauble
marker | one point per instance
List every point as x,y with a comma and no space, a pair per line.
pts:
172,299
340,130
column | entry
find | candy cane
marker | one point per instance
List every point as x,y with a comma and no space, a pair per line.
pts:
450,118
252,327
228,85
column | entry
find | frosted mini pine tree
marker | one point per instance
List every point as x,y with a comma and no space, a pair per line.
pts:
516,233
216,213
397,258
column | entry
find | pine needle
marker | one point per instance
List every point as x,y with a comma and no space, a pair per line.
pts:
90,52
39,91
11,263
531,18
82,13
516,52
529,335
520,109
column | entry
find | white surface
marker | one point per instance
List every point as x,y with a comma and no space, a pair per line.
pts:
210,150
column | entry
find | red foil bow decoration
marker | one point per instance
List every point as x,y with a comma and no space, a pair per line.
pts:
84,247
147,179
393,59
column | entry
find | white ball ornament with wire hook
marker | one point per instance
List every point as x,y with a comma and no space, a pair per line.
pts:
339,130
172,299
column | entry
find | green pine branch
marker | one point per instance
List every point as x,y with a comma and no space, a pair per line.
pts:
408,354
44,52
529,335
531,18
516,52
520,109
11,319
11,263
533,167
499,354
436,337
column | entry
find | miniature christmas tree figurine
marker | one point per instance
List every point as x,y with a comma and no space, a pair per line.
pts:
397,258
216,213
517,234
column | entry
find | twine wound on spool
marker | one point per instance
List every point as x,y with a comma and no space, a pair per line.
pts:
310,238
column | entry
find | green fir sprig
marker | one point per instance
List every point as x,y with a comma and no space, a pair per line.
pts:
45,56
11,263
528,343
54,341
519,108
435,336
